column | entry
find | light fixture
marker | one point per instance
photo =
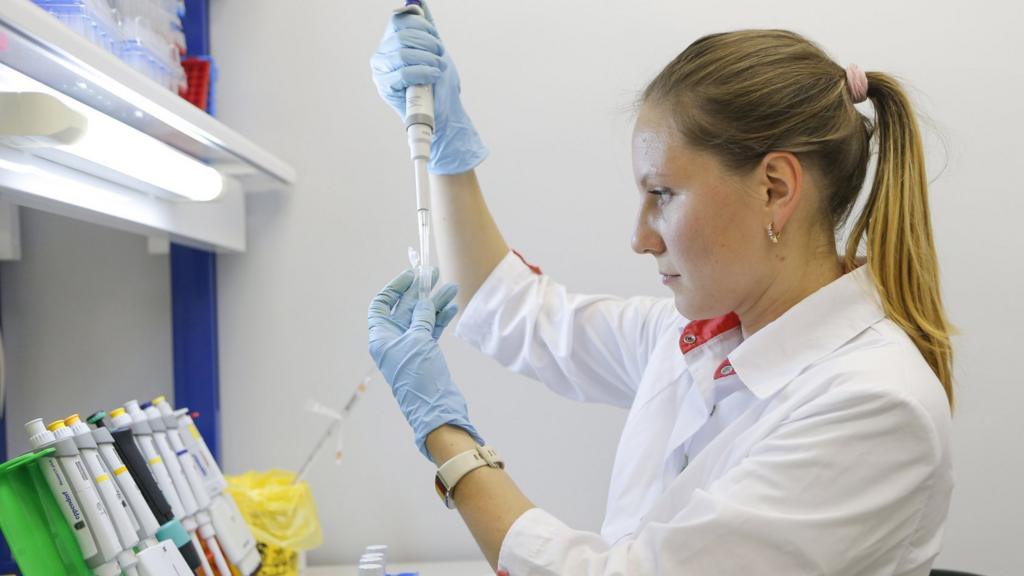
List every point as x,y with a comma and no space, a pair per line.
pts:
35,120
52,125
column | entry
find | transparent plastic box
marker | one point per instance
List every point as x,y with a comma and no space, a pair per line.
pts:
146,34
92,19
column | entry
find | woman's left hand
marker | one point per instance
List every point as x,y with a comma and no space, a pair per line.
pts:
403,343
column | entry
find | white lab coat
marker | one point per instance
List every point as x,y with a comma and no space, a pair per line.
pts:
819,445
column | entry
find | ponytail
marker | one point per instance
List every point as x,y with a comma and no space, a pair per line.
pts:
896,227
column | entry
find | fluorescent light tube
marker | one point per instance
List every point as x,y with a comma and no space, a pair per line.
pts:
118,152
113,145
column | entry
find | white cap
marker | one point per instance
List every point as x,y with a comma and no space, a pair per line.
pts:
132,408
163,406
153,413
371,570
63,432
38,435
377,549
79,428
120,418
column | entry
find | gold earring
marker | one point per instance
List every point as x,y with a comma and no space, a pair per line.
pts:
772,234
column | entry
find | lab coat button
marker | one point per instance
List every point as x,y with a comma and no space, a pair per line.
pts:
689,339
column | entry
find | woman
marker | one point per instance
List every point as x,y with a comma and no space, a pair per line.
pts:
789,410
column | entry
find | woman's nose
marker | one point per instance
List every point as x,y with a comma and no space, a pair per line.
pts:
646,239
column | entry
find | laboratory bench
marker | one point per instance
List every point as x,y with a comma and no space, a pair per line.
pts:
472,568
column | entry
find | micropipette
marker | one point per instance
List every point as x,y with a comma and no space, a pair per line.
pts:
419,128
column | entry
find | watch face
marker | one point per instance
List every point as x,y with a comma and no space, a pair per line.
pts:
441,491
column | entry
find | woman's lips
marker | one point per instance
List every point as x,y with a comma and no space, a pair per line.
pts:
669,278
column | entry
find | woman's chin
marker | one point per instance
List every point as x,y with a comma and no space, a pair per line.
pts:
694,309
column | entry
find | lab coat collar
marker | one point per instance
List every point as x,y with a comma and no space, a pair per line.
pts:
773,356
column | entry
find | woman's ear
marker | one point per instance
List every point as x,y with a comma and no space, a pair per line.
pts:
782,176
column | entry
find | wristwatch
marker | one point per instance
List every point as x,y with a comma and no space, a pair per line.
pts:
449,474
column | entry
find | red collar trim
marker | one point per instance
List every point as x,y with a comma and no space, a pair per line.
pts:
724,370
698,332
535,269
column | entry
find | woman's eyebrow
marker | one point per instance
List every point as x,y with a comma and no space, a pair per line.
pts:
645,180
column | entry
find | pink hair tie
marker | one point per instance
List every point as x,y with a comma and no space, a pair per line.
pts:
857,81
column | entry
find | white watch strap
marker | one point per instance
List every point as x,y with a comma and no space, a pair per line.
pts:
452,471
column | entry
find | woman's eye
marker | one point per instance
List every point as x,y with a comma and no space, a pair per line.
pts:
663,195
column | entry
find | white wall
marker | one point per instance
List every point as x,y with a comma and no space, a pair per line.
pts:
549,85
86,319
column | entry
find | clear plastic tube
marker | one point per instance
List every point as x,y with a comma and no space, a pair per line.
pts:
424,272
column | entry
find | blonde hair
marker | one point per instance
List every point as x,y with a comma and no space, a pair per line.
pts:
740,95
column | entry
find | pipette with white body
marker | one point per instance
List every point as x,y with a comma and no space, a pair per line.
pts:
101,550
234,536
191,470
125,525
419,128
172,451
131,426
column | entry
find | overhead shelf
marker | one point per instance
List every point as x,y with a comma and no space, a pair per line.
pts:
37,49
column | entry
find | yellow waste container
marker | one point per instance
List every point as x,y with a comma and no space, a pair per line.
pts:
282,516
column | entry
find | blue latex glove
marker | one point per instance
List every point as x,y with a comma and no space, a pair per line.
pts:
411,53
403,343
401,312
